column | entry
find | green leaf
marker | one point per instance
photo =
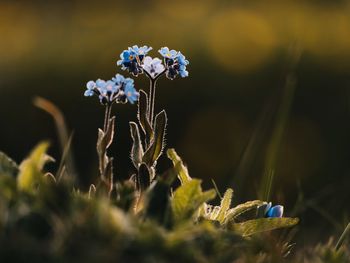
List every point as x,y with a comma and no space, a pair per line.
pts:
143,177
225,205
8,188
109,135
242,208
104,140
142,116
180,168
107,175
214,212
254,226
101,151
31,168
137,149
188,198
8,166
157,145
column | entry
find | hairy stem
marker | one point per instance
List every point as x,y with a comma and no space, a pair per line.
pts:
107,116
152,100
105,120
148,112
152,94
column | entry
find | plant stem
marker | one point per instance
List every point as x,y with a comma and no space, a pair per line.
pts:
109,113
152,94
105,120
107,116
152,100
148,113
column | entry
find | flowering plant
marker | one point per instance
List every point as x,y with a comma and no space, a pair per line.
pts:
144,154
121,90
147,214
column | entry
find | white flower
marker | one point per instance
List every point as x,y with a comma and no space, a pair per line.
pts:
153,66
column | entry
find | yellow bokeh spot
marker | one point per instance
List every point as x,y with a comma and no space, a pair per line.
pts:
240,40
325,33
19,36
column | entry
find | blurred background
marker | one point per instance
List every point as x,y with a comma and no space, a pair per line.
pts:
248,111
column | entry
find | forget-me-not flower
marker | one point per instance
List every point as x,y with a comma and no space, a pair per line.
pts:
130,93
141,52
183,62
90,89
132,58
153,66
167,53
118,89
175,63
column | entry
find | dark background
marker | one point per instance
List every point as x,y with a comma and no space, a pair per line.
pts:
223,118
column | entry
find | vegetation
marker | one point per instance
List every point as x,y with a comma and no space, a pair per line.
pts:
152,217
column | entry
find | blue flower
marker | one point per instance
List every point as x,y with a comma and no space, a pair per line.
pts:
273,211
131,94
98,88
183,62
166,53
118,80
90,86
141,52
109,88
106,90
131,59
175,63
118,89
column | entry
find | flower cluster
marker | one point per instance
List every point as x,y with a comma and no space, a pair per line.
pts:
118,89
134,60
175,63
273,211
